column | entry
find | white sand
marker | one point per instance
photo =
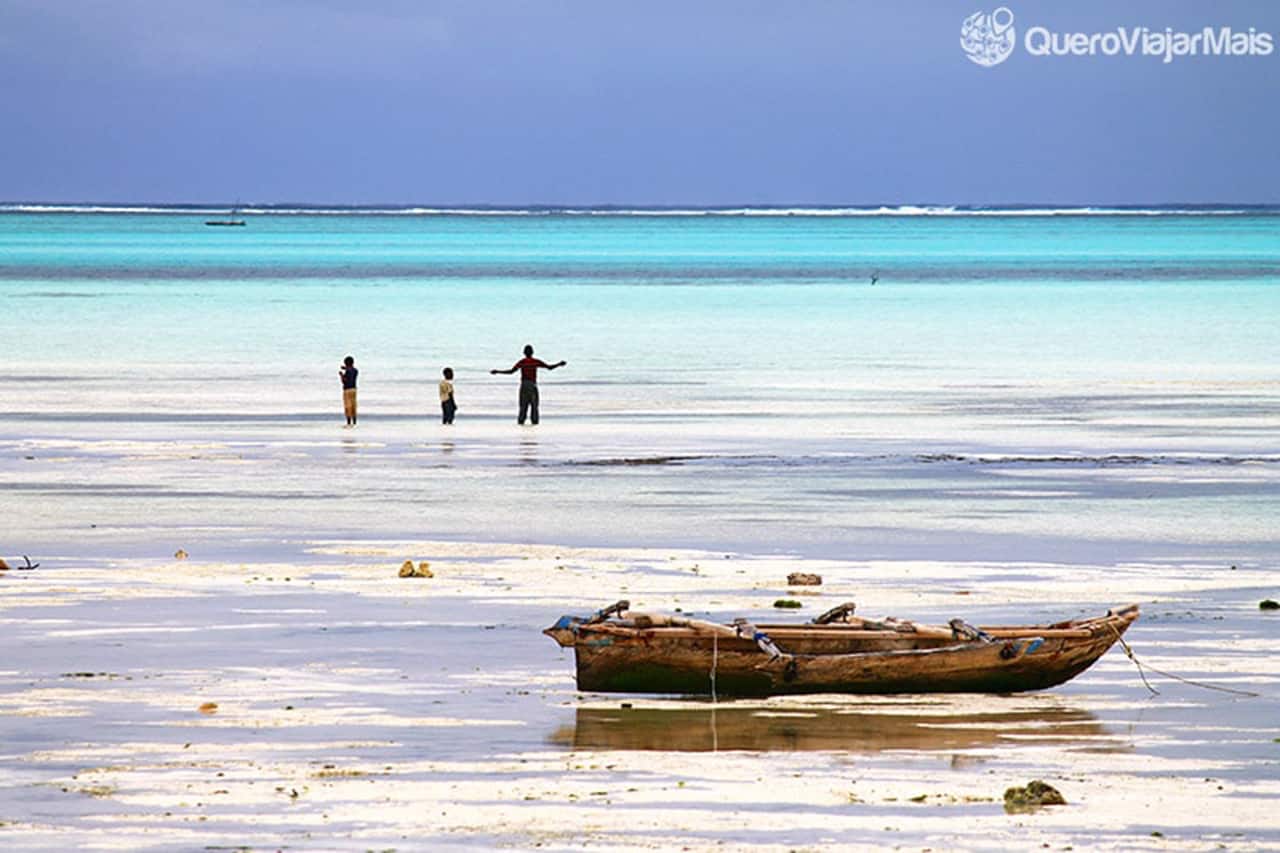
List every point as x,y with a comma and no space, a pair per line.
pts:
357,710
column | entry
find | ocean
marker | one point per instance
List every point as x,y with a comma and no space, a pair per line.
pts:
734,381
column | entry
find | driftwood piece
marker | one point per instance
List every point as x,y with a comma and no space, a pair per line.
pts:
964,631
697,626
604,613
839,613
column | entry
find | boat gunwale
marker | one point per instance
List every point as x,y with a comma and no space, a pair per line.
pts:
1085,629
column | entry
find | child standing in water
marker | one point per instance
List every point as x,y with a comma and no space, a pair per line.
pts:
348,373
447,407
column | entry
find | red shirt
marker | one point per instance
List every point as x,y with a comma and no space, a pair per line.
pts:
529,368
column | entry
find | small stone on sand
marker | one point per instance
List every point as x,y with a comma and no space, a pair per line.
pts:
804,579
179,554
1269,604
208,708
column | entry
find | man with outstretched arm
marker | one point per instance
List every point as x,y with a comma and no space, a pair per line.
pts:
528,367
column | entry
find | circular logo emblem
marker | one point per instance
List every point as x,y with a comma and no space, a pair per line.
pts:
988,39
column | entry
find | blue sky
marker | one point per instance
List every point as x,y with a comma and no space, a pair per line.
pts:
598,102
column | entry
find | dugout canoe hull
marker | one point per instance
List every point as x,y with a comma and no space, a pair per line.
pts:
615,657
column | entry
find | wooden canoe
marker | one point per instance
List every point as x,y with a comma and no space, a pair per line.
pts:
625,652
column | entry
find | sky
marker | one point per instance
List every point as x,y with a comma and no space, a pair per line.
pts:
577,102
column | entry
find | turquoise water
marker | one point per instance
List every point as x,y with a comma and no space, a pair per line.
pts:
1105,381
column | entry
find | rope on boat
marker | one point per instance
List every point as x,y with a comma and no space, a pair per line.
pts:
840,611
1129,654
746,630
715,657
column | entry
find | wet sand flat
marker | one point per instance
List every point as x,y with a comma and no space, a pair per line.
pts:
359,710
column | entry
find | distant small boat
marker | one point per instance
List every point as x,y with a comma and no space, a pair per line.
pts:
618,651
229,221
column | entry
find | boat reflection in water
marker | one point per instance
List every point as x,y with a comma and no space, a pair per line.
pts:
758,729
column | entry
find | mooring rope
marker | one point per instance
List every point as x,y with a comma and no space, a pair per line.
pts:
715,656
1129,653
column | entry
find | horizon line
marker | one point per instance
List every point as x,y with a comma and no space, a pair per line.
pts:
623,207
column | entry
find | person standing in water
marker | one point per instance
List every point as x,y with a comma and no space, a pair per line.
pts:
448,408
528,367
348,373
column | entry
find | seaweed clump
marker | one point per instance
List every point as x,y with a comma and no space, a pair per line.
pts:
1032,796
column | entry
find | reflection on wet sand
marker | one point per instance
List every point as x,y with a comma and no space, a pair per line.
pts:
759,729
528,450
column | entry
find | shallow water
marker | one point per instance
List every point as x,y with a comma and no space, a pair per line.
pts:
1111,380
